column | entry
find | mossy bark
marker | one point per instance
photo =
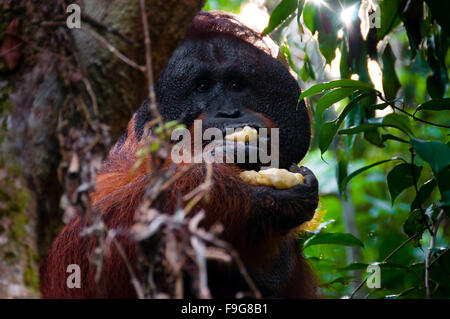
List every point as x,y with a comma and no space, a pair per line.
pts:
59,75
18,252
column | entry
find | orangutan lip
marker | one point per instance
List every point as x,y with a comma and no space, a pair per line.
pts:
243,148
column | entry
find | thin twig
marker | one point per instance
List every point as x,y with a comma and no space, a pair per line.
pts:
149,67
407,113
402,245
234,254
422,212
92,96
160,183
176,177
386,259
34,46
439,257
4,53
200,191
60,20
113,50
134,280
96,24
433,234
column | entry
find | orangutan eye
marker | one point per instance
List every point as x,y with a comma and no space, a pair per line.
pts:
203,86
236,85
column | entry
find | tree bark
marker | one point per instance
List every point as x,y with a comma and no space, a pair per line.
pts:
62,104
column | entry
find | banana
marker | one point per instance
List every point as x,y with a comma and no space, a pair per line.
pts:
275,177
245,135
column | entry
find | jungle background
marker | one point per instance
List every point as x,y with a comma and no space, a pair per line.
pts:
375,74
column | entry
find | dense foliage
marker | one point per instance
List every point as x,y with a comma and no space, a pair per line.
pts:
381,149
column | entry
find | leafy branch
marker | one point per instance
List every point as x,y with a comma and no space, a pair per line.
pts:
392,104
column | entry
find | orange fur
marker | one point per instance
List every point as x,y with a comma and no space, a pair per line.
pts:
119,192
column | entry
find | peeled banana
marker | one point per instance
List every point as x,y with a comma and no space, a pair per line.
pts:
279,178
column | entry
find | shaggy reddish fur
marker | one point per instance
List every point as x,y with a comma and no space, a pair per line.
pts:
118,196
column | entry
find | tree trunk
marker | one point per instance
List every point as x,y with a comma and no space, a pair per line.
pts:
65,96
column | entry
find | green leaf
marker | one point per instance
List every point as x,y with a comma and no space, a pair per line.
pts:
286,54
309,12
443,181
410,293
341,239
398,121
329,129
390,17
343,64
300,6
386,137
366,103
445,205
326,135
415,223
332,97
436,154
380,106
391,84
281,13
401,178
345,83
173,124
434,105
424,192
437,82
413,21
354,266
305,235
307,70
137,164
439,270
344,280
347,179
374,137
388,265
325,22
354,117
154,147
356,129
